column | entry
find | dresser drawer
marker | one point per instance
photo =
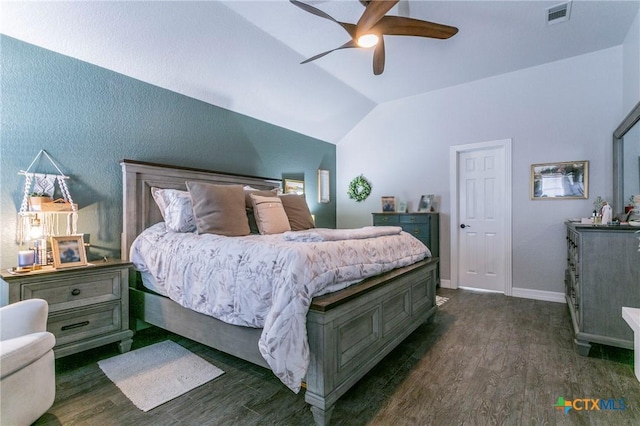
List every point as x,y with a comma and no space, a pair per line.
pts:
420,231
76,291
78,324
383,219
414,218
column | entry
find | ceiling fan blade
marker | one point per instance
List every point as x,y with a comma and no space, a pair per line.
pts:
347,45
349,28
398,25
372,14
378,57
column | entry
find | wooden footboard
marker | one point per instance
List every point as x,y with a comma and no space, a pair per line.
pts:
350,331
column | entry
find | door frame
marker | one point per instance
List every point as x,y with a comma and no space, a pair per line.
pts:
454,154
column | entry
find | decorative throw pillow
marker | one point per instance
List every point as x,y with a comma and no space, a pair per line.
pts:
175,208
261,192
297,210
219,209
270,215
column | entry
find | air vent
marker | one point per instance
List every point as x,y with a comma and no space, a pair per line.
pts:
558,13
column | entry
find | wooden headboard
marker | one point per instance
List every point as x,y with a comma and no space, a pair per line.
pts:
139,210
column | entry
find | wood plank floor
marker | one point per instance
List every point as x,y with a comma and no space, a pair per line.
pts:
487,359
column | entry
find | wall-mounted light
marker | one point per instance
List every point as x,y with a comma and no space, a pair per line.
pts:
324,193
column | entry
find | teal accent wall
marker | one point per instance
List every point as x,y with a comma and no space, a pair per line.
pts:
89,118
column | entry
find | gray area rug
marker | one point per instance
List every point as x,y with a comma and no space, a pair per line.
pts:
441,300
155,374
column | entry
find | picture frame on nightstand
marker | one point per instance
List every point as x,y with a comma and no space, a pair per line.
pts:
68,251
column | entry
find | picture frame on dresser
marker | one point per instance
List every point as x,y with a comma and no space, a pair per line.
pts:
426,203
68,251
560,181
388,204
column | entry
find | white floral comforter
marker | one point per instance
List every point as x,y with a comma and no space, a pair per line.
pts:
264,281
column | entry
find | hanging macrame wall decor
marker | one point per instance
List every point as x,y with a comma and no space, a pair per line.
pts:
55,217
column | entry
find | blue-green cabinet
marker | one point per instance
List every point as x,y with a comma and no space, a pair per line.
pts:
422,225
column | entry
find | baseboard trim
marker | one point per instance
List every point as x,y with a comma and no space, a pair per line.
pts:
524,293
547,296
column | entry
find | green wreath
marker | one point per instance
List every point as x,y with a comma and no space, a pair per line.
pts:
359,188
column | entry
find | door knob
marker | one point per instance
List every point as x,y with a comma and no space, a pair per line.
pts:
465,226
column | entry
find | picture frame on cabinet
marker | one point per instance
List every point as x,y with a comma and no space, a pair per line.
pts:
560,181
68,251
388,204
402,207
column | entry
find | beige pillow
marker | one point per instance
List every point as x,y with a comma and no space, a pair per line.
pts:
297,210
270,215
219,209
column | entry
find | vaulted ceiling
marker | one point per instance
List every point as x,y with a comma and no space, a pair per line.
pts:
245,55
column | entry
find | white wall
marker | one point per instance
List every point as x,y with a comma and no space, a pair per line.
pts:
562,111
631,66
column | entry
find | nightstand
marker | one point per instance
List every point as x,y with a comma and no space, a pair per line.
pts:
88,306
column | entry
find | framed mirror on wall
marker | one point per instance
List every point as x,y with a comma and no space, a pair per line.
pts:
626,163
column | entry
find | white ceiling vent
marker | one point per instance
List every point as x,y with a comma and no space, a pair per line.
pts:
558,13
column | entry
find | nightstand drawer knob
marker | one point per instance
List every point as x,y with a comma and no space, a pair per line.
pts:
72,326
75,291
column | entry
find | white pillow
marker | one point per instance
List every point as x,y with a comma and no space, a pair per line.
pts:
270,215
176,209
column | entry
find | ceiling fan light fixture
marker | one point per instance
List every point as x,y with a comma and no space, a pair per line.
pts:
374,24
368,40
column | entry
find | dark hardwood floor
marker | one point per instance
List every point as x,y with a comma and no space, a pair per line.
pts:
486,359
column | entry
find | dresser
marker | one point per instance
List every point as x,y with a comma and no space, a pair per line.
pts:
423,226
88,306
602,276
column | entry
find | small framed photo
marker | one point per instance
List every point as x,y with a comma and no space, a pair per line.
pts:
426,203
402,207
560,181
388,204
292,186
68,251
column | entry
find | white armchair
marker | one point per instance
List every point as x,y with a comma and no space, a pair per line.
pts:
27,365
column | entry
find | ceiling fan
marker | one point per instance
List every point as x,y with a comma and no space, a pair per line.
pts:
374,24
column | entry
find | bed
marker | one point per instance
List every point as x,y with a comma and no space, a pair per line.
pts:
348,331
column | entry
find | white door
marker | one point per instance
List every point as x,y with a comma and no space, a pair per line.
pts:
482,198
